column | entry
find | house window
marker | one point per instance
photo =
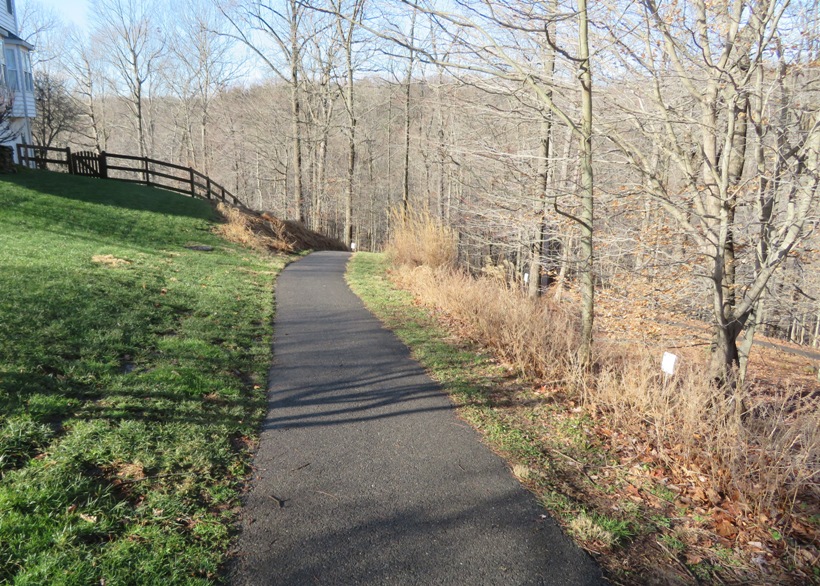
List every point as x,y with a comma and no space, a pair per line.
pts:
28,80
10,6
12,81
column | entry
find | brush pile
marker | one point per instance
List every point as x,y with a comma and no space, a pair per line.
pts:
267,232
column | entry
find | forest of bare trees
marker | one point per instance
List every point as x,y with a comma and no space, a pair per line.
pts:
664,151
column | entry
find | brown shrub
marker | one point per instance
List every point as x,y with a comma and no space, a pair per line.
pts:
535,336
765,456
418,238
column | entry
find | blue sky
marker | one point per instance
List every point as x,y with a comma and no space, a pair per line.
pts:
71,11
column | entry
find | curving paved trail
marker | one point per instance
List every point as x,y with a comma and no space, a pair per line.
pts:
364,473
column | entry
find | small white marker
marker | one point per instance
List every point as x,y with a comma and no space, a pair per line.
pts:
526,278
353,246
668,363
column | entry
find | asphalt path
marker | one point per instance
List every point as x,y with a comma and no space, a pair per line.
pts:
365,474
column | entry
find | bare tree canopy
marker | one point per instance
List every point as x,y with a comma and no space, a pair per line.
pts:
703,123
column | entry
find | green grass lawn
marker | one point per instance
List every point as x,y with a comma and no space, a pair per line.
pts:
132,374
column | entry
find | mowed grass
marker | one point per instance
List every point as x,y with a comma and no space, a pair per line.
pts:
132,375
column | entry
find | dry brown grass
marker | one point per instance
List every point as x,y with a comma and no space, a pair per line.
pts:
760,453
763,457
420,239
587,530
267,232
109,260
535,336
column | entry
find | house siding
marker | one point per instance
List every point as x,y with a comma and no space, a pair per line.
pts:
24,108
24,105
7,21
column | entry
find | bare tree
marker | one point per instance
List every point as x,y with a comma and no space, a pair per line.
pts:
58,113
494,40
86,69
205,64
281,49
718,58
321,103
7,131
347,20
41,26
128,31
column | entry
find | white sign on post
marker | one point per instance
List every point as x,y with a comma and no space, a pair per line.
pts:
353,246
668,363
526,278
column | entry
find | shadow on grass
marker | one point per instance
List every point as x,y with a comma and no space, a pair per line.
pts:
65,339
137,374
111,192
104,210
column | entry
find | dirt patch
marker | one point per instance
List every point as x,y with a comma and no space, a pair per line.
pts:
130,471
110,260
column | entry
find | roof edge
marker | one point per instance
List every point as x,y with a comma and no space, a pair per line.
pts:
13,39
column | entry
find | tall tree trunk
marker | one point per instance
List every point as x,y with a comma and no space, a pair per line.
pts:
346,36
586,214
203,136
405,194
441,150
389,169
140,124
296,107
351,155
537,249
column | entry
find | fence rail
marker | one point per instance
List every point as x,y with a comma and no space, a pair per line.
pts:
140,170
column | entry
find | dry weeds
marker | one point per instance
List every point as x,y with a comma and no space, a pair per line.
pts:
420,239
109,260
587,530
536,337
267,232
745,461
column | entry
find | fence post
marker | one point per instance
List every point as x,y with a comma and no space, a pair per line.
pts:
147,171
193,184
208,183
72,164
103,165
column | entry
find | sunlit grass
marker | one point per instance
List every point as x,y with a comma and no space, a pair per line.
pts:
132,374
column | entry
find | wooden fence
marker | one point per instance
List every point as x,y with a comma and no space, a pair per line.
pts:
141,170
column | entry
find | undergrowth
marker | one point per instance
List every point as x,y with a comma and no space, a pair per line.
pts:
704,483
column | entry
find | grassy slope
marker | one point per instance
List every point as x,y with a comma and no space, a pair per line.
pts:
128,391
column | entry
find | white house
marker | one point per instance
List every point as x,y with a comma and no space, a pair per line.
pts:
15,78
